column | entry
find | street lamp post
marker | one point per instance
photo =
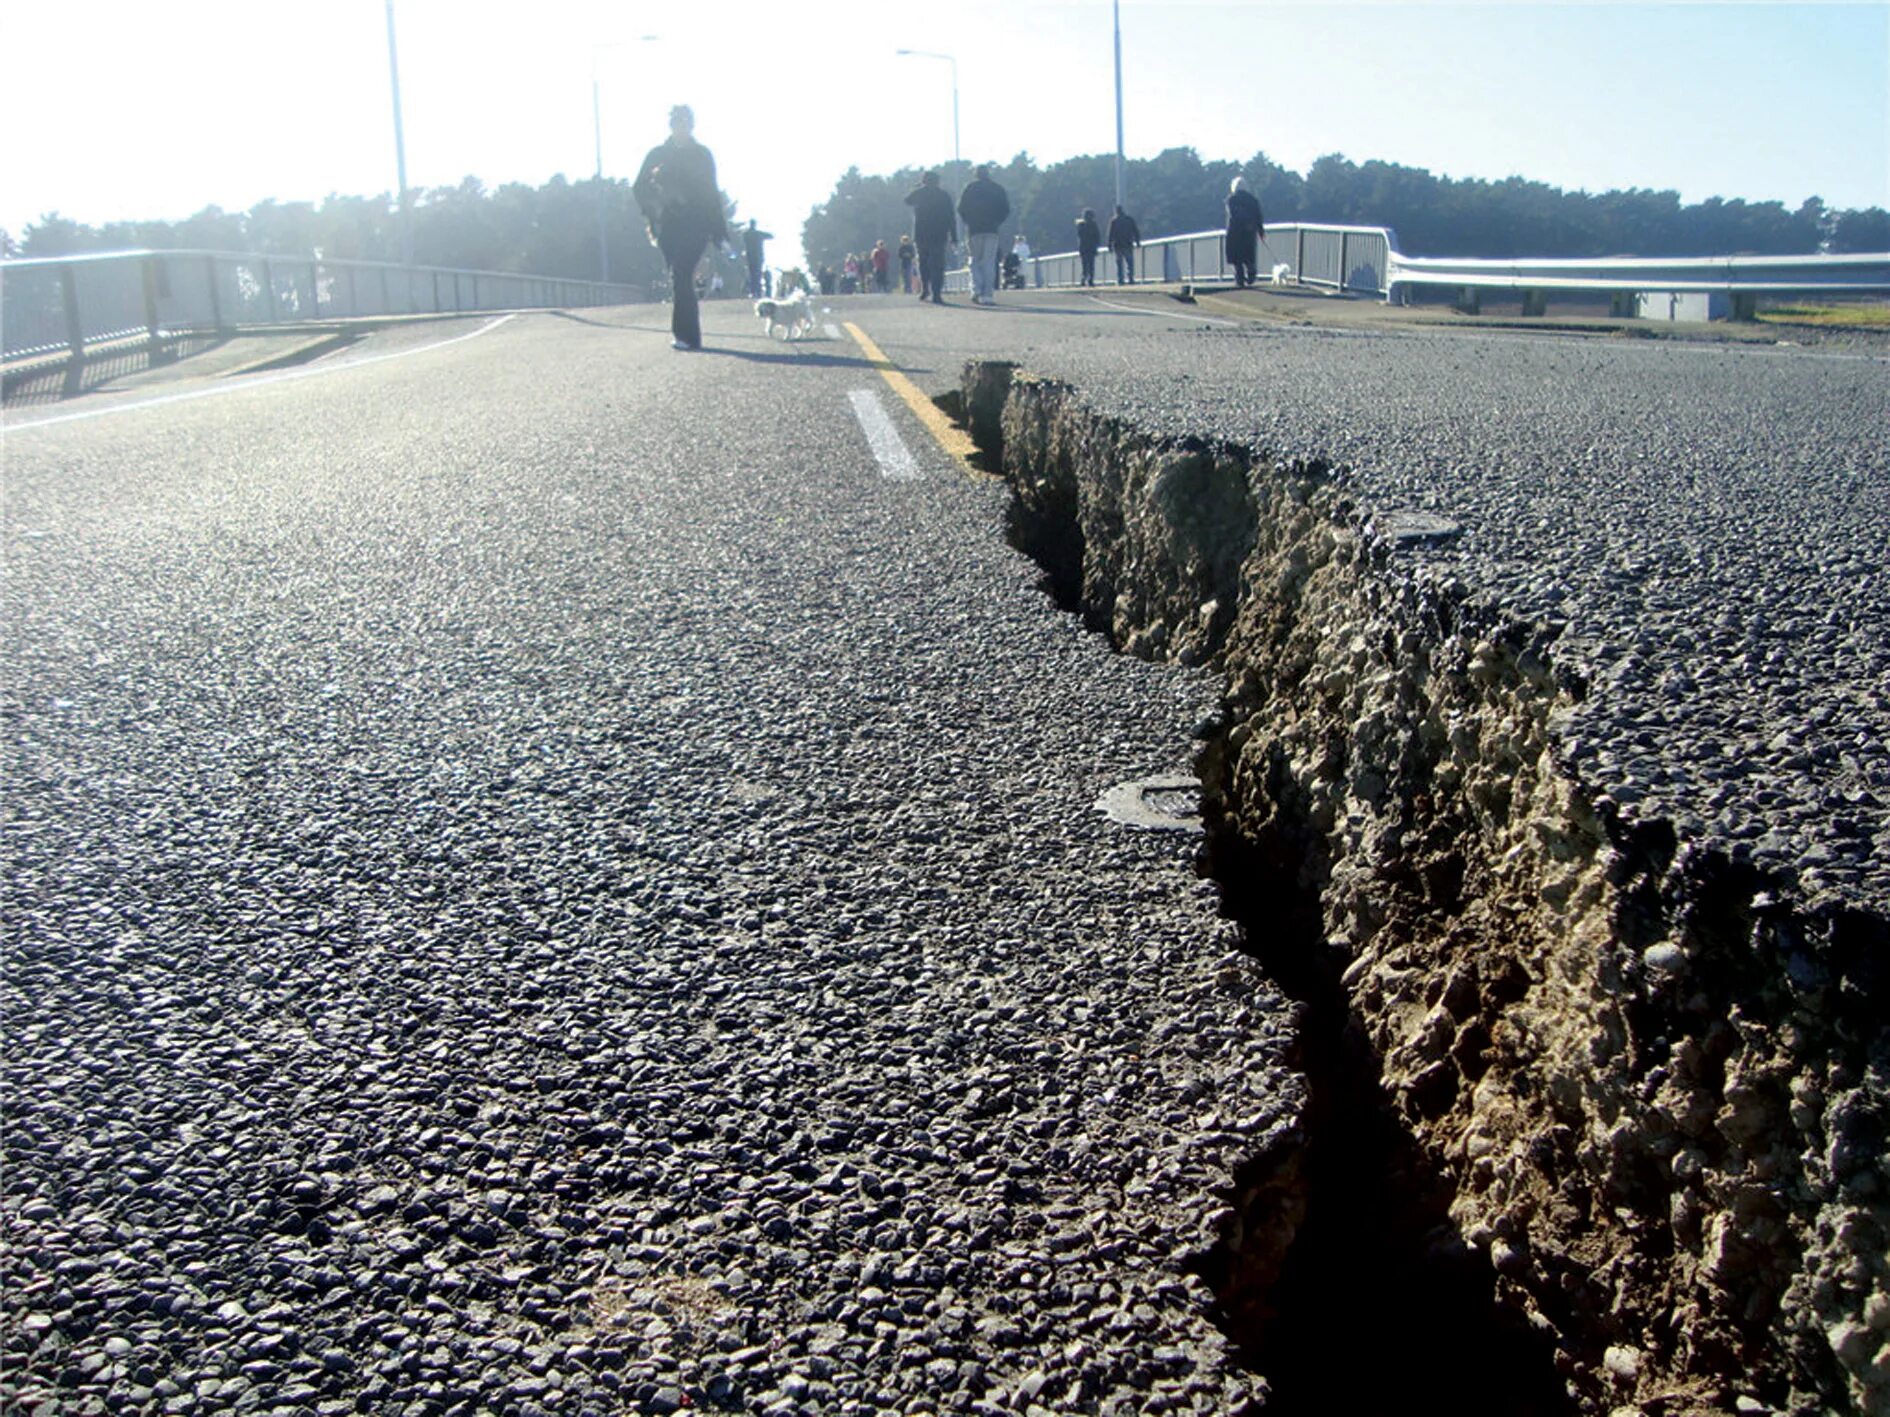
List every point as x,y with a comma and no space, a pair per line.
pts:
1115,10
597,136
957,160
400,145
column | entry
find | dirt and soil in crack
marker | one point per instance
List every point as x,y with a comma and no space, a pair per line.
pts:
1591,1117
1378,1304
1343,1279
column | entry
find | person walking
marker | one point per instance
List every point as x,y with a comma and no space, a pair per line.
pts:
1245,227
1124,237
752,243
882,267
908,256
984,206
1020,252
677,193
934,224
1088,242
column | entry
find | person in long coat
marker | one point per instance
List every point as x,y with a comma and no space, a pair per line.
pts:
677,193
1088,242
1245,228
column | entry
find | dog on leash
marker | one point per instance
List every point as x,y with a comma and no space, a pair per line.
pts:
1283,275
793,316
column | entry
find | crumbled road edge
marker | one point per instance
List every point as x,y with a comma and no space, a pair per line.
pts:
1652,1077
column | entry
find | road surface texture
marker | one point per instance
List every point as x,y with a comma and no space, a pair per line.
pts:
542,880
1558,692
550,874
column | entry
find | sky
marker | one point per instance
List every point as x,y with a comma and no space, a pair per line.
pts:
122,109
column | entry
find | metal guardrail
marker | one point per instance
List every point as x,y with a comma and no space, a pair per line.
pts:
1721,275
1365,260
1341,258
67,303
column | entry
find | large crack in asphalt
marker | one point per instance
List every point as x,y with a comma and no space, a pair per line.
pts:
1593,1121
1341,1225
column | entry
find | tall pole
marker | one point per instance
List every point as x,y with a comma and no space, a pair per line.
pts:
597,132
1115,9
958,159
400,145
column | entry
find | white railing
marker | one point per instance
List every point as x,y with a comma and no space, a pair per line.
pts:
1722,275
1365,260
1341,258
67,303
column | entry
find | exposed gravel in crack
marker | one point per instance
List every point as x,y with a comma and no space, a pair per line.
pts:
1641,1068
527,918
1706,525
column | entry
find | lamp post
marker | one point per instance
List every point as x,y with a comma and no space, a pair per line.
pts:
597,136
400,145
1115,10
949,59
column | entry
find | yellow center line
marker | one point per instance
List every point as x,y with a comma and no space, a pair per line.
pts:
949,436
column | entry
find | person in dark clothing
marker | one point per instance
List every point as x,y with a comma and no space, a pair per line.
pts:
908,256
1245,227
677,193
984,206
1088,242
934,224
1124,237
752,243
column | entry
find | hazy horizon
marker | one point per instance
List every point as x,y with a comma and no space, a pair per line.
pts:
1750,102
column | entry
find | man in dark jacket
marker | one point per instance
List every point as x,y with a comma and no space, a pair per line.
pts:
933,225
1245,227
1088,240
984,206
1124,237
677,193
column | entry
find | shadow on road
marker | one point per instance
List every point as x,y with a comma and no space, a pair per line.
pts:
789,354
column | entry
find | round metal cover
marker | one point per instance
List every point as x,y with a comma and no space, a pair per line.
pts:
1168,803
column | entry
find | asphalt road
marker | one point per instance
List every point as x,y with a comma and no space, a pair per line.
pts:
1708,524
543,878
552,874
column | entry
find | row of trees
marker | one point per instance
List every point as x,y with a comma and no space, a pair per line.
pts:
1177,191
552,229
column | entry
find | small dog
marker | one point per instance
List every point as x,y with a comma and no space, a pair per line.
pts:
1283,275
793,316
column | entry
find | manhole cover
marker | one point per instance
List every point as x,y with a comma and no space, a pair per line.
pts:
1408,526
1171,803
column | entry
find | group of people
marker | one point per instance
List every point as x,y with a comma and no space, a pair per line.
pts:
1124,237
677,191
982,206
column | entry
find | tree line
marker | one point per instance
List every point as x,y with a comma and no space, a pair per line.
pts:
1177,191
548,230
552,229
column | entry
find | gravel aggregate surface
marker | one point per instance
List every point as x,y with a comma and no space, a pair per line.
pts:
540,882
1709,523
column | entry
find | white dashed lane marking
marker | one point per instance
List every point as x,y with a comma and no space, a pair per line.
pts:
894,457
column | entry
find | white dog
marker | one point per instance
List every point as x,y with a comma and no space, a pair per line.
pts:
793,316
1283,275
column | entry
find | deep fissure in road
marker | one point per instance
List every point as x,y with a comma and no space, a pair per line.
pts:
1559,1065
1343,1227
1374,1264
